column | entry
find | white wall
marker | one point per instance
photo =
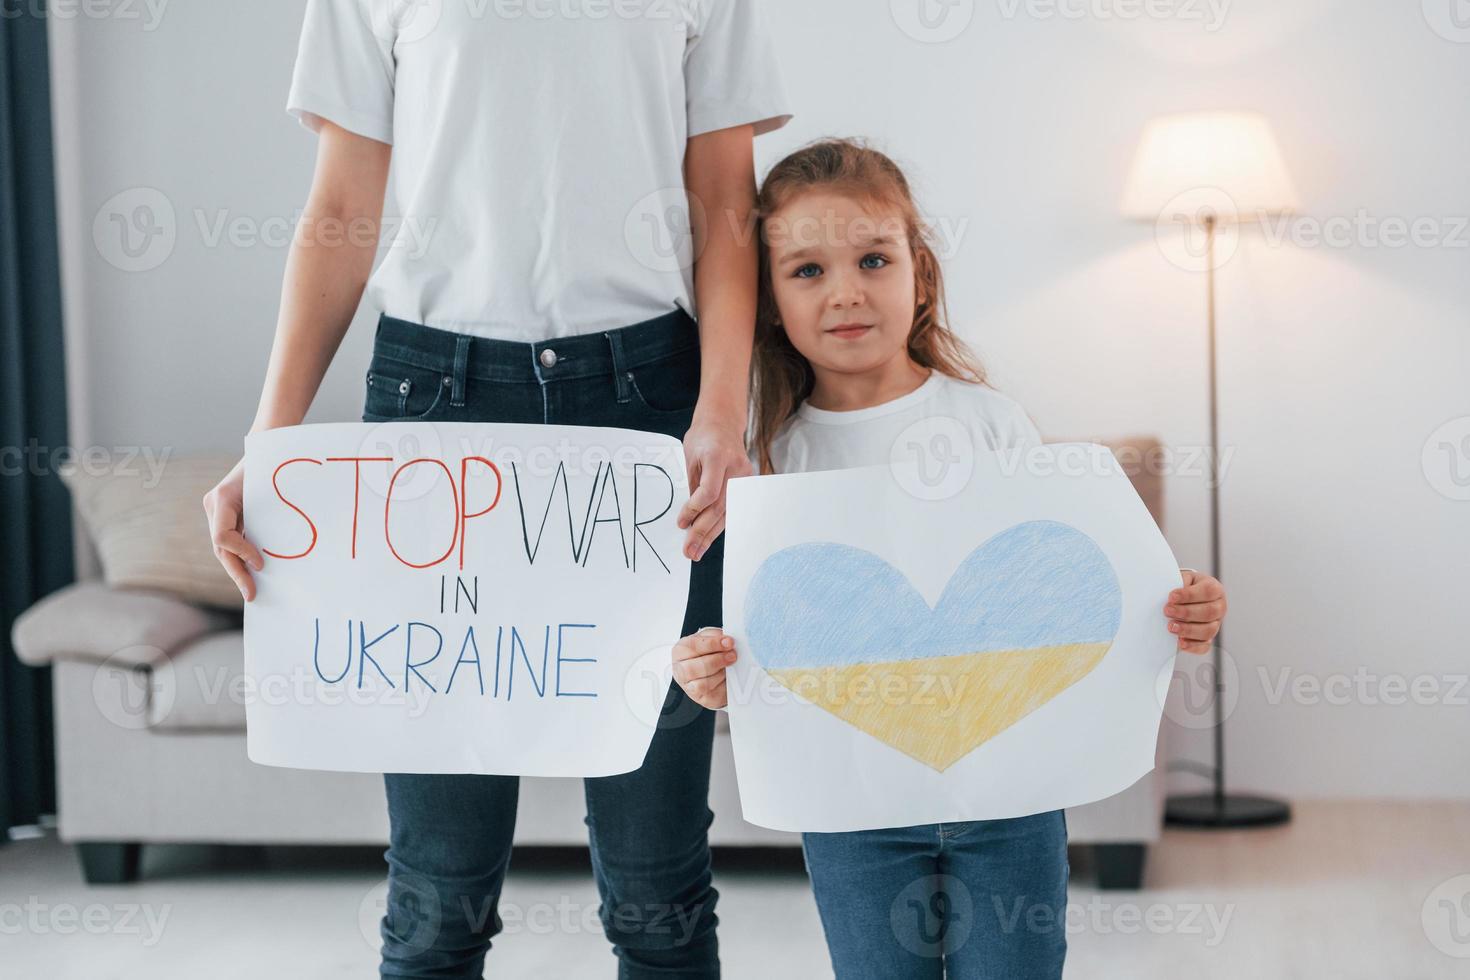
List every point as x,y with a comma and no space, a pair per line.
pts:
1337,363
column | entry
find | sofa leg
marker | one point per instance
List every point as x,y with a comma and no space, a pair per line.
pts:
109,862
1119,866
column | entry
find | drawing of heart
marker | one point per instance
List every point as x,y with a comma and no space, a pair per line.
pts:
1027,614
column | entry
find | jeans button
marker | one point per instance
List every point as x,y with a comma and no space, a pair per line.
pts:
548,358
403,388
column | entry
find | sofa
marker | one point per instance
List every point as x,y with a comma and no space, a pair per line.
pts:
150,742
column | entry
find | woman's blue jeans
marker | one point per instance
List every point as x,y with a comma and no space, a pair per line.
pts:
982,900
450,838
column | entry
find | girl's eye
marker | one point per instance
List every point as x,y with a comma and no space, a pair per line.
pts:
808,270
877,261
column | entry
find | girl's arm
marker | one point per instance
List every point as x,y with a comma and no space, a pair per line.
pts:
328,266
719,173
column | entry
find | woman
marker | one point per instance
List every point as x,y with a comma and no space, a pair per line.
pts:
535,145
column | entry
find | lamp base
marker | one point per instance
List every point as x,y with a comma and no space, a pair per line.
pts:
1206,810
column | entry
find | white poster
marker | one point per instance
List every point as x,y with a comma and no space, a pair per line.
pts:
991,650
461,597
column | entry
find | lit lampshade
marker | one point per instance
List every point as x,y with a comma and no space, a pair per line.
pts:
1229,160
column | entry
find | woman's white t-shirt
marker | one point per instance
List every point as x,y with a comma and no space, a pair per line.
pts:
536,188
943,407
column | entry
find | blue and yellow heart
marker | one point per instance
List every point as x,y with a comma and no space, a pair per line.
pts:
1027,614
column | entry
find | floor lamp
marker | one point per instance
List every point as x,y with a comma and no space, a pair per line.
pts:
1194,175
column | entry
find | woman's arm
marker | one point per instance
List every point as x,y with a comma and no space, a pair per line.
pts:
719,173
327,268
326,271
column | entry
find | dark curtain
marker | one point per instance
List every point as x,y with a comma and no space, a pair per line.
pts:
35,514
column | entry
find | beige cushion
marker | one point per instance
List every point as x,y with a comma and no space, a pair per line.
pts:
150,530
91,621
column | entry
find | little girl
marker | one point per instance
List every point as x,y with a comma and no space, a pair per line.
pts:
851,349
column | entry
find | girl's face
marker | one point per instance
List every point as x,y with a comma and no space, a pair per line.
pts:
843,280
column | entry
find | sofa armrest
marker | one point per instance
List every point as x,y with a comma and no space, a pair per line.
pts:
92,621
1142,459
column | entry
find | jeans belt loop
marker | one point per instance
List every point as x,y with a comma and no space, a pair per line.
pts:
461,369
621,374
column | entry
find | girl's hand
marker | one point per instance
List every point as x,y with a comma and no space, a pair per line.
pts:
1195,610
699,666
224,506
714,452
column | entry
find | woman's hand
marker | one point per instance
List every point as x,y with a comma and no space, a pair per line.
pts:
1195,610
225,505
714,450
699,666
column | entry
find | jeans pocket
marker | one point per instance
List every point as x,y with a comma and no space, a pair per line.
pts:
668,386
403,392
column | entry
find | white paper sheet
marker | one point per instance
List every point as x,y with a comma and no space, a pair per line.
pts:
530,642
995,652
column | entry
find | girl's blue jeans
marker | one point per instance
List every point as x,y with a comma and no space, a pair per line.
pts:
982,900
450,835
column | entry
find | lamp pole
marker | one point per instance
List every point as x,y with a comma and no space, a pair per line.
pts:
1215,809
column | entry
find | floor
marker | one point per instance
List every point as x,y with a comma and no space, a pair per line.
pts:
1378,891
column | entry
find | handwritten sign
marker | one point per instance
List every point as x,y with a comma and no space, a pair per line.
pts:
461,597
992,651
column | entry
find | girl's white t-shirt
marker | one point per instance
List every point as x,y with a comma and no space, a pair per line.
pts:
943,407
536,188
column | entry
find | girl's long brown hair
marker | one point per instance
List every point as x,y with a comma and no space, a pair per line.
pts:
780,376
